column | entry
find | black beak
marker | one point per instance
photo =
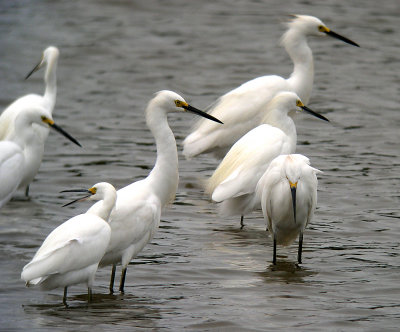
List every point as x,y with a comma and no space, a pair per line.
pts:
64,133
201,113
293,190
77,191
337,36
34,69
310,111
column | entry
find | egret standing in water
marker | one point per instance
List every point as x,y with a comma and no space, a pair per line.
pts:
242,108
288,195
20,154
136,215
234,181
71,253
34,101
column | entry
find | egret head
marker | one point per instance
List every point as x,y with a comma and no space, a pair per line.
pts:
98,192
313,26
172,102
49,56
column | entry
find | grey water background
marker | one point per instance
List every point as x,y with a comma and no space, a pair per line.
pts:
201,272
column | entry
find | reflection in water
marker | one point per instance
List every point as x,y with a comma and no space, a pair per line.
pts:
286,272
125,310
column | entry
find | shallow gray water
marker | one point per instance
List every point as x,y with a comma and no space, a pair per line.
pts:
201,272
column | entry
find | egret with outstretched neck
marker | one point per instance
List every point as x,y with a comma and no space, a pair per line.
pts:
136,216
242,108
71,253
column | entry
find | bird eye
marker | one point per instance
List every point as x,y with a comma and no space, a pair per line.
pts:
178,103
299,103
43,118
93,190
321,28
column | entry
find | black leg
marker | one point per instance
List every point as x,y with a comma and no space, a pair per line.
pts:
89,293
27,191
122,282
241,222
300,247
65,296
274,258
114,267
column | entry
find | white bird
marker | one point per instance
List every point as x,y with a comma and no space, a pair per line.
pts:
242,108
288,195
234,181
20,153
136,215
47,102
71,253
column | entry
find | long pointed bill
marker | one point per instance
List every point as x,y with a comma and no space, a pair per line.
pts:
310,111
293,187
337,36
64,133
201,113
37,67
78,191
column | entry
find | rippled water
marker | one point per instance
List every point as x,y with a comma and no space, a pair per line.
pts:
201,272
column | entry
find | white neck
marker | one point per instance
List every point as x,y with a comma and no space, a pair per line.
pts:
285,123
104,207
50,80
302,78
164,176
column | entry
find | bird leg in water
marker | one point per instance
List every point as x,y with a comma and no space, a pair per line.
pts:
114,267
241,222
122,282
90,295
27,191
274,255
300,247
65,296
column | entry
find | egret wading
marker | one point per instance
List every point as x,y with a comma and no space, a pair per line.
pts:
71,253
243,108
136,215
34,101
20,154
288,195
234,181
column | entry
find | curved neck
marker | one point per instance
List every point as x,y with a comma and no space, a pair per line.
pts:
164,175
104,207
302,78
50,80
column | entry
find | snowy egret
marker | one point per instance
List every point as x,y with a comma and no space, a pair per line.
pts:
71,253
234,181
288,194
20,153
31,101
242,108
136,215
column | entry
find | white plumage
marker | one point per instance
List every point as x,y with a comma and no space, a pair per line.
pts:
70,254
137,212
234,181
34,101
242,108
20,154
288,195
